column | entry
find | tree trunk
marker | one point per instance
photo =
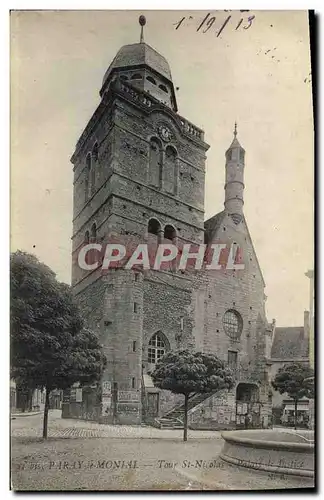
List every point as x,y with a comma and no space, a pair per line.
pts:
30,393
185,420
296,405
46,408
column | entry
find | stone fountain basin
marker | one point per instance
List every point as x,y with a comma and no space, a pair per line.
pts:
278,451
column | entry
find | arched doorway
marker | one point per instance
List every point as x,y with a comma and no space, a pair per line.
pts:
248,406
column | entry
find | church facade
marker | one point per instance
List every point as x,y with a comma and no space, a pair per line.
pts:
139,172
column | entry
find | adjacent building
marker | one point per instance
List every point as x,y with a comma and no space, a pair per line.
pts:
289,345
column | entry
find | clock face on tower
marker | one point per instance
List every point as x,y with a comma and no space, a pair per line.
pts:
165,133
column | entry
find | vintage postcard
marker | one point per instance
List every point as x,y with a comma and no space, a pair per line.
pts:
162,273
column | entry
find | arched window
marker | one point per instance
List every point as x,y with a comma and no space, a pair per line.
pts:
230,155
154,232
93,171
86,241
170,233
157,347
150,79
154,227
169,169
233,324
136,76
155,162
163,87
87,176
93,233
93,178
123,77
95,152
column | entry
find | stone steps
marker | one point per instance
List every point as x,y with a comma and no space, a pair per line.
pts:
170,423
174,418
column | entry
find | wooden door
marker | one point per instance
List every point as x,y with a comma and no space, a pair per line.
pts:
152,404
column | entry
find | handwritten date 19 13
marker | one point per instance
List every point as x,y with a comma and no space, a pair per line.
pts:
208,22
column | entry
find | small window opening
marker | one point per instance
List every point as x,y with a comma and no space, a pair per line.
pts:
169,233
232,359
150,79
163,87
154,227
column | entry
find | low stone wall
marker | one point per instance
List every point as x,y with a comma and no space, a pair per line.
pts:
211,425
94,414
272,451
80,411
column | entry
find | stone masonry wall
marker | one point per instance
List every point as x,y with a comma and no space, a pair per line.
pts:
243,291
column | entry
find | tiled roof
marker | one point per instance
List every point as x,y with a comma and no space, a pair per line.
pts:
212,225
289,343
137,54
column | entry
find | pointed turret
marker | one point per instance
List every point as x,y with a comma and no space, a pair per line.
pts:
234,183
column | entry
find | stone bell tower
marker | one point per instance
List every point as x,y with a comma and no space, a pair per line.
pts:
139,172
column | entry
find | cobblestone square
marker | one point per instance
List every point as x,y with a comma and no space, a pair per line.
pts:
125,458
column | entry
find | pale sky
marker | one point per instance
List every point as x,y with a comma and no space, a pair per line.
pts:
259,77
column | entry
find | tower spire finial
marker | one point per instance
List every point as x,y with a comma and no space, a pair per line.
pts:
235,129
142,21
